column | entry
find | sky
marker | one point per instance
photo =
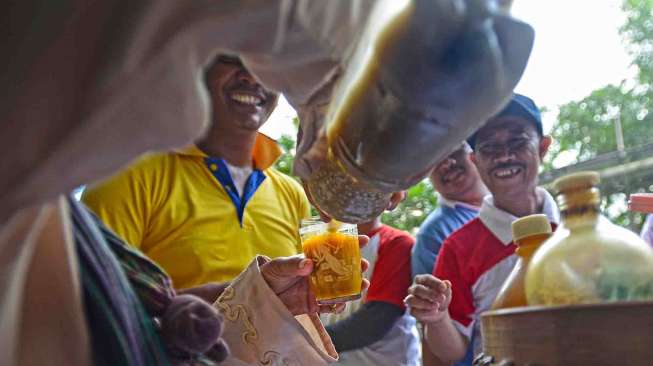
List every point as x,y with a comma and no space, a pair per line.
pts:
577,49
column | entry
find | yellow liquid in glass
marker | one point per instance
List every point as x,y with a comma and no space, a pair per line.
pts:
337,274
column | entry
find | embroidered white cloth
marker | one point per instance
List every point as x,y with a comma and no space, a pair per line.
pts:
261,331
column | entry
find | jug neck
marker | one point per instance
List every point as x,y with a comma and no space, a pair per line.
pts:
579,205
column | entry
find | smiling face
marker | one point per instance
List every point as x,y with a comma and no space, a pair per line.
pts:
508,155
455,176
238,100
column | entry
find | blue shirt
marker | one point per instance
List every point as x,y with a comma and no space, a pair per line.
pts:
440,223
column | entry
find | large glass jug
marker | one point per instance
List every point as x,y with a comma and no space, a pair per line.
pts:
588,259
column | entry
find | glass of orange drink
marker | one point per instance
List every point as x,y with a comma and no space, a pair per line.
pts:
333,248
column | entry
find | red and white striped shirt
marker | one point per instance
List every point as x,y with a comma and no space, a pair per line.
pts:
477,259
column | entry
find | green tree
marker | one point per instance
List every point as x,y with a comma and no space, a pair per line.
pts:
421,199
585,129
285,161
637,31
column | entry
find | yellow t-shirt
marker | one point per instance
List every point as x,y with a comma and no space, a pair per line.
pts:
172,208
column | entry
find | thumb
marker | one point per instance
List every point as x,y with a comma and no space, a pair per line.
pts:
295,266
280,273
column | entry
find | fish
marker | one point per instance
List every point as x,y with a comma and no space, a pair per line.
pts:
423,77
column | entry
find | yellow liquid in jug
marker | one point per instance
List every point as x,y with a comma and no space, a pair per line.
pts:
513,292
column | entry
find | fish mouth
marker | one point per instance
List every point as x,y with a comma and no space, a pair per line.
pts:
374,177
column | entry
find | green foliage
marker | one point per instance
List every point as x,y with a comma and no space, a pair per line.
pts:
285,161
288,144
420,201
638,34
585,129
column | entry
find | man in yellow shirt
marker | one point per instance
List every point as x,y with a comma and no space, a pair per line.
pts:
205,211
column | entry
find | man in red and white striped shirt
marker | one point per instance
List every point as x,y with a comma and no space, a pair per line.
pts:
476,259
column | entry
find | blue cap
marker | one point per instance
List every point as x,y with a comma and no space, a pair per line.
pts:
519,106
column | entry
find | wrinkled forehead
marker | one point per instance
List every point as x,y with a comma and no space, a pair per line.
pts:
504,128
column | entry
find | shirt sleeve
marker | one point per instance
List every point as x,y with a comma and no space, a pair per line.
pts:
305,206
391,277
367,325
425,252
120,202
302,207
461,308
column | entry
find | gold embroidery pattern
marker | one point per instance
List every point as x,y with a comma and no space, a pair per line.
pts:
239,311
272,358
250,335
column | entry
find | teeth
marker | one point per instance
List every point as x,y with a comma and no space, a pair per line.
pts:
507,172
246,99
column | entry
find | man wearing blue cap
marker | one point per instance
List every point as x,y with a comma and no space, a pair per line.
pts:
475,260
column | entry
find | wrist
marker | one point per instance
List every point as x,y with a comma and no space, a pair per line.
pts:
444,317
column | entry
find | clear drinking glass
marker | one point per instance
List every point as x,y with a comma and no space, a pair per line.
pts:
336,257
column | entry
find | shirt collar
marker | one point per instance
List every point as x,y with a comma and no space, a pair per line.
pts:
499,222
266,151
452,203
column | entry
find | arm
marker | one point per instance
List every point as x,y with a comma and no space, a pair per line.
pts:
429,301
444,340
444,306
384,299
429,359
364,327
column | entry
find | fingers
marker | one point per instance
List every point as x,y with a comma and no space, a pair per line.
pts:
424,293
363,240
428,292
425,311
294,266
365,284
281,273
304,267
415,302
432,282
364,264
